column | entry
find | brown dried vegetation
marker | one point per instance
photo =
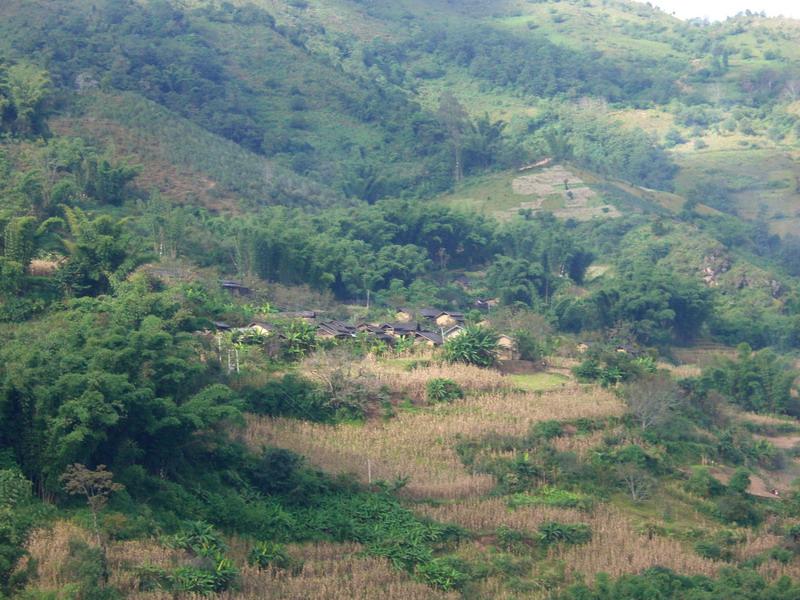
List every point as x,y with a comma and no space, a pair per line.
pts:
330,571
616,546
420,445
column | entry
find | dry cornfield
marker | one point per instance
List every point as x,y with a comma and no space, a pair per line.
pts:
421,445
412,384
616,547
581,445
330,571
681,371
334,572
756,542
50,549
486,515
773,569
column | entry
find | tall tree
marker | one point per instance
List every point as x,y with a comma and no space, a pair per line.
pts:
456,120
20,240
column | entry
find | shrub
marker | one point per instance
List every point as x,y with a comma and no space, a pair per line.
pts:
215,573
270,554
528,346
555,533
545,430
446,573
514,540
290,396
474,346
738,509
708,549
441,389
87,568
702,483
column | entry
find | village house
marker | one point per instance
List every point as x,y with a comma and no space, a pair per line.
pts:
449,319
404,315
335,330
262,328
235,288
429,313
451,332
306,315
507,348
368,328
486,303
463,282
428,338
400,329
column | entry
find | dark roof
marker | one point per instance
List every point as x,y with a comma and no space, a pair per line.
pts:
405,309
409,327
453,315
221,325
299,314
450,330
485,302
383,337
337,328
233,285
436,338
430,313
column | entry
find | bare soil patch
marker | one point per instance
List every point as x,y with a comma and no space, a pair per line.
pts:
560,186
545,182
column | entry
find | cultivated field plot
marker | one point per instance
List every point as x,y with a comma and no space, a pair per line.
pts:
421,444
563,193
557,189
329,571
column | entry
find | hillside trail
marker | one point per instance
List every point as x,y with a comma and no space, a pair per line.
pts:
766,483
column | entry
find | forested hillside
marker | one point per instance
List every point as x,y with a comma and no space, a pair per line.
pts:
357,299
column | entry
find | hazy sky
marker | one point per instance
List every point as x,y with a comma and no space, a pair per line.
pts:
719,9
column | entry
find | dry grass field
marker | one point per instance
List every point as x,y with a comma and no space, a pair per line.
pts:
420,445
617,546
50,549
411,384
330,571
334,572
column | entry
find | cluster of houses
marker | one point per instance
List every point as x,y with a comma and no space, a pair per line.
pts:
433,328
427,327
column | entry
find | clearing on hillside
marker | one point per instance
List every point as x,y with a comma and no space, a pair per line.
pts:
557,189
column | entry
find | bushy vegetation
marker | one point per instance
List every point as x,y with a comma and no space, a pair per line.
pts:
667,584
474,346
441,389
756,381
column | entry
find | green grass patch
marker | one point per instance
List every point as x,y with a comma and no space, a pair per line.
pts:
538,382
